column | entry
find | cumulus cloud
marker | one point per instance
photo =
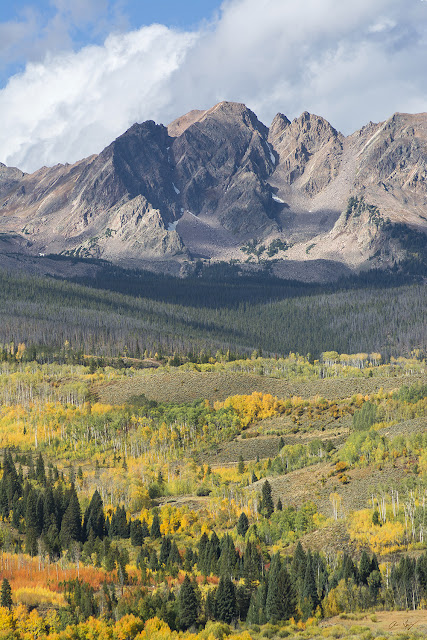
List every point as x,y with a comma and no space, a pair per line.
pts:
349,61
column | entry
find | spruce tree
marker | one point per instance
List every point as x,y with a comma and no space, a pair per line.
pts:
298,566
310,597
136,537
40,470
6,594
225,601
144,529
188,605
94,517
71,526
281,601
364,568
174,555
241,465
189,559
267,505
31,520
155,528
210,605
165,549
242,524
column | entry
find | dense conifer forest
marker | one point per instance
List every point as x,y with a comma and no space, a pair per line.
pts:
125,313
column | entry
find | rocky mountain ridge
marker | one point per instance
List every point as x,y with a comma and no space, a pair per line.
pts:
220,185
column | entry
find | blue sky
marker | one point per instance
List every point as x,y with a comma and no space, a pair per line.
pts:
93,21
75,74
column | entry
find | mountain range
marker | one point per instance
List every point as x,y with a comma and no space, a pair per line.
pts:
219,185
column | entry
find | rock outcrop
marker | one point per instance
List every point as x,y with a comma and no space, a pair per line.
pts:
216,181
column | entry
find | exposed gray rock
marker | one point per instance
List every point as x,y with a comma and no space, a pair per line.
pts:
214,180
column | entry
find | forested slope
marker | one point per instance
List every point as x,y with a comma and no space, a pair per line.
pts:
237,315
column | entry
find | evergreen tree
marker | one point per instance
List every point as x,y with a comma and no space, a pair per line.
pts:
71,526
298,567
241,465
40,470
174,555
267,505
310,597
364,568
252,562
155,527
225,601
144,529
279,506
210,605
6,594
165,549
189,559
242,524
154,563
229,558
188,604
94,517
136,537
281,601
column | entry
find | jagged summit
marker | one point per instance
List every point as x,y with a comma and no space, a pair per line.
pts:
215,180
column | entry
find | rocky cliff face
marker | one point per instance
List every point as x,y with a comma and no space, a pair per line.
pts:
217,181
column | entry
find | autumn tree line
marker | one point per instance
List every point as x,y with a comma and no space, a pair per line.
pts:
216,577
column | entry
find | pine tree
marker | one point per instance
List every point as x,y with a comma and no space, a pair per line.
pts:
144,529
6,594
31,521
281,601
298,567
225,601
94,517
364,568
71,526
136,537
241,465
210,605
279,505
228,560
188,605
165,549
242,524
310,597
189,559
155,528
40,470
267,505
174,555
251,565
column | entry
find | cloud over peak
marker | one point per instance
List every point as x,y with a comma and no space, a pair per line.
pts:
350,62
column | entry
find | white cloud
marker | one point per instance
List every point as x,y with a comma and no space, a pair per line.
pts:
349,61
71,105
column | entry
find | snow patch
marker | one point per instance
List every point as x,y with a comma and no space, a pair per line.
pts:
272,158
277,199
177,191
172,225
